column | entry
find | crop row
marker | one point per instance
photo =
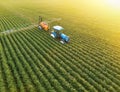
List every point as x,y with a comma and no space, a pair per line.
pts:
82,56
103,77
12,22
33,61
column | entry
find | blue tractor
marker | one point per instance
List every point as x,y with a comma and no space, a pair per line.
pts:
57,33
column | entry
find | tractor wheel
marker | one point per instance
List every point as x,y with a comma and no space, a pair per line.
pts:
62,42
40,27
52,35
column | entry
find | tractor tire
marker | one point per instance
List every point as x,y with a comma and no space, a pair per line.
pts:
40,27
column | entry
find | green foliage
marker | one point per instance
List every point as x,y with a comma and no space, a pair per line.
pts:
32,61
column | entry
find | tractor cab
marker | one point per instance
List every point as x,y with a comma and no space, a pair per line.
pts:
57,30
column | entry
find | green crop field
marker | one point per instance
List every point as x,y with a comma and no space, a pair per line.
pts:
32,61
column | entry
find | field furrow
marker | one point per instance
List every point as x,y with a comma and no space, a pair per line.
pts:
31,60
